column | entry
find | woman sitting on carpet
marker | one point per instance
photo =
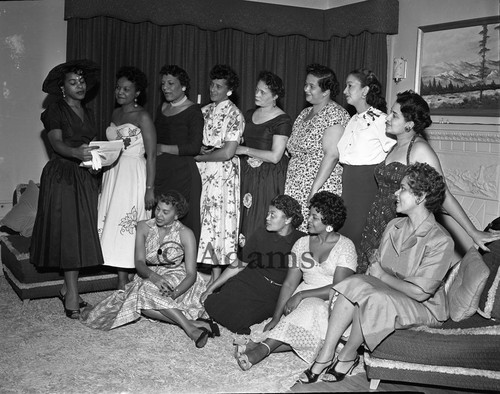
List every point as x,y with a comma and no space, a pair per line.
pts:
300,318
252,283
167,286
402,287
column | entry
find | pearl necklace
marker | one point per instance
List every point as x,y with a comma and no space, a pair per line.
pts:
179,103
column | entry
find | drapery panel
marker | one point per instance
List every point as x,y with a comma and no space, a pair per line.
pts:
113,43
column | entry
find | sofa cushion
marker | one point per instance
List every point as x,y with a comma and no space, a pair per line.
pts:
463,294
21,218
489,302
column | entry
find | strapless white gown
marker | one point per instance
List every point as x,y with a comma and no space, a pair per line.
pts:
121,202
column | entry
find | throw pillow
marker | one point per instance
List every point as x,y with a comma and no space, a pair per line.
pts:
21,217
489,302
464,292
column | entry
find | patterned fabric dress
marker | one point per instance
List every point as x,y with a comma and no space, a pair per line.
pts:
304,329
305,147
261,181
220,195
124,306
121,203
383,209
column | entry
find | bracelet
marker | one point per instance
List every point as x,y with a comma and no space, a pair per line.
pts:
149,187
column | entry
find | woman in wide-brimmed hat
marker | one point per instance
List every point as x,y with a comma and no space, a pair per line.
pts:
65,233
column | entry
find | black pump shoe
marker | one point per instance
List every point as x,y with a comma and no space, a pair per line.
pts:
82,303
309,376
214,328
339,376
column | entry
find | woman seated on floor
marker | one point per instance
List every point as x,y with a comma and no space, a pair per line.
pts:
300,318
252,283
402,287
167,286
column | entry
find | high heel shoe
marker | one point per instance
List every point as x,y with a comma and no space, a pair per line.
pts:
82,304
214,328
331,375
309,376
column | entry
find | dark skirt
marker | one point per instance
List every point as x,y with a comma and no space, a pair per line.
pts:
258,186
246,299
358,192
65,233
180,173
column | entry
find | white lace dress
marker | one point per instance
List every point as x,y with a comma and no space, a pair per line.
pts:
305,328
121,202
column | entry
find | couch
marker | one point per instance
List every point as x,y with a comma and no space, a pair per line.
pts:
465,351
26,280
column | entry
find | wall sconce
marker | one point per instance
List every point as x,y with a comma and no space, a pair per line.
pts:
399,69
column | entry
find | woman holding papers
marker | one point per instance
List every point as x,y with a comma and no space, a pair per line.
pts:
65,234
127,194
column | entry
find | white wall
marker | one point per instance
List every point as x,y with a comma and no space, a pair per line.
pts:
33,37
413,14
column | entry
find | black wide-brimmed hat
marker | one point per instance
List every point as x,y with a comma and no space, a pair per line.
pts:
89,69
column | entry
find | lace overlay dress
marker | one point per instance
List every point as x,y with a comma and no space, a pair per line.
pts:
383,209
305,148
124,306
121,202
304,329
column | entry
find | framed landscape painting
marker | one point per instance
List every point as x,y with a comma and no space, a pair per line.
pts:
458,67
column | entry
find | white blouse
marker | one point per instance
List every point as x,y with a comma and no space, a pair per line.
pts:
364,141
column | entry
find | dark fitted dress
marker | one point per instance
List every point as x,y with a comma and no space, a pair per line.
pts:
179,172
250,296
65,232
383,209
260,182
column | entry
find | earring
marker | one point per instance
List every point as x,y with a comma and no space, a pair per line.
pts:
329,229
407,128
183,88
229,93
274,103
135,103
63,92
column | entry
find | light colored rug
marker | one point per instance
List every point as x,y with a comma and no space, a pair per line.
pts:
42,351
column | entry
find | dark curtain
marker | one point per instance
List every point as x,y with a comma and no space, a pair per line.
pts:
113,43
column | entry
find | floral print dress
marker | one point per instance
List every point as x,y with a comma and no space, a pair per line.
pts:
220,195
306,150
121,202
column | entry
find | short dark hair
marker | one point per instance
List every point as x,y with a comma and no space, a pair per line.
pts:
424,179
177,72
290,207
273,82
223,71
374,96
138,78
415,109
327,78
176,199
331,207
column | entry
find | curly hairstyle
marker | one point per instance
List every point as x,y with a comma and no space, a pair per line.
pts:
331,207
415,109
138,78
273,82
290,207
423,179
179,73
222,71
327,78
176,199
374,96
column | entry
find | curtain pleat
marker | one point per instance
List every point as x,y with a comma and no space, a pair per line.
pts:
113,43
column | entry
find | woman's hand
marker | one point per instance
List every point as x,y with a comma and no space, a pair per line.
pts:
376,270
481,238
149,198
82,153
269,326
292,303
159,149
205,294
